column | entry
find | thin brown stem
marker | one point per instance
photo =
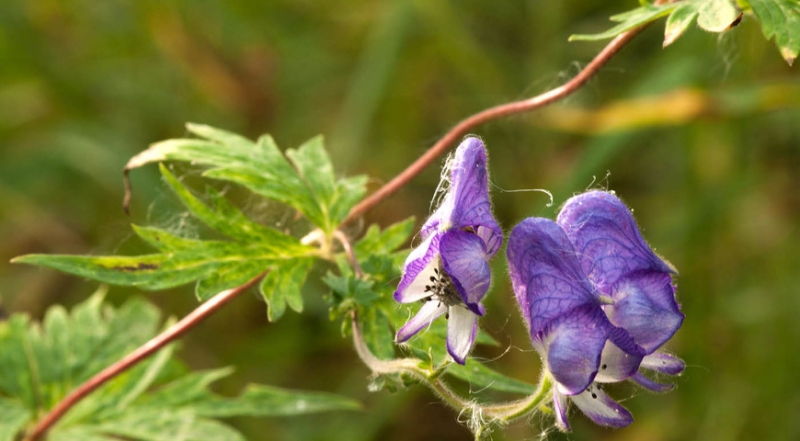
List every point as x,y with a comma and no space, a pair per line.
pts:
135,357
351,254
490,114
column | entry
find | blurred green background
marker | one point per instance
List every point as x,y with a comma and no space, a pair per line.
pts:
701,139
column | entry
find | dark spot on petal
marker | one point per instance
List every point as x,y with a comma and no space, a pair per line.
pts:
594,395
433,279
436,270
604,366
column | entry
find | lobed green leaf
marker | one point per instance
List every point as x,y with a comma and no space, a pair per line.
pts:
308,184
629,20
780,19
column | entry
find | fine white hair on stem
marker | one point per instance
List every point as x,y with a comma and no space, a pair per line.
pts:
444,183
523,190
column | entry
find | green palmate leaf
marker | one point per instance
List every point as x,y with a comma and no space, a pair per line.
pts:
480,376
42,363
215,265
308,184
780,19
629,20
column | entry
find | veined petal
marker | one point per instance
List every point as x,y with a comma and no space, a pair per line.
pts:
647,383
616,364
545,273
573,343
470,191
462,326
464,260
664,363
429,312
607,239
595,404
560,405
645,306
417,271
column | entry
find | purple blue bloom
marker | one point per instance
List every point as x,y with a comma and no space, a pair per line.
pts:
598,303
449,270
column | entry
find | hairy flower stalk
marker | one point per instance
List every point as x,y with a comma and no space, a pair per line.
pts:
449,270
598,302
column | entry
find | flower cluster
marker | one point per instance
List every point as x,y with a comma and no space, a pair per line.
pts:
449,270
598,301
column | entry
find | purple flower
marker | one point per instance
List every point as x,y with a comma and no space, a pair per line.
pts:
597,300
449,270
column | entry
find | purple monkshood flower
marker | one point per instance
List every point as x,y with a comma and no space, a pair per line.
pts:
449,270
598,302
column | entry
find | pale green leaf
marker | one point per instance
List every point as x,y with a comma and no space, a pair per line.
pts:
259,400
679,21
480,376
716,15
629,20
780,19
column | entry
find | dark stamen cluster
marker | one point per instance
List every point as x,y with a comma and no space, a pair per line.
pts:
442,289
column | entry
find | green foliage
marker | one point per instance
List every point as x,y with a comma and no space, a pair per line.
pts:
43,363
629,20
308,184
481,376
780,19
215,265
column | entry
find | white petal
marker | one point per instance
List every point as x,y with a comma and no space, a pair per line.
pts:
416,290
616,364
601,409
560,406
462,325
429,312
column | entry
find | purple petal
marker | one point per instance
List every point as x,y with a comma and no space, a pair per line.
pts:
464,260
595,404
607,239
616,364
647,383
574,342
429,312
470,190
462,326
560,406
417,271
644,304
664,363
545,274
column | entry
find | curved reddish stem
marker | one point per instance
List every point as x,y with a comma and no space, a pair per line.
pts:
490,114
144,351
